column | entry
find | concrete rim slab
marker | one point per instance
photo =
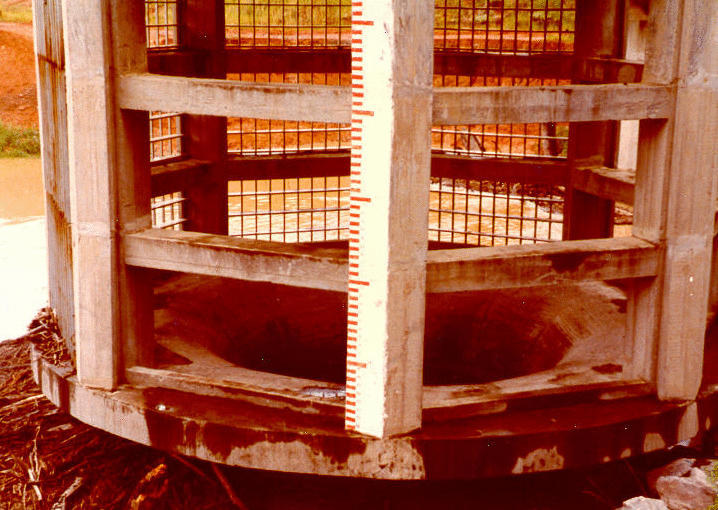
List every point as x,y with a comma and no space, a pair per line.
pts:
240,433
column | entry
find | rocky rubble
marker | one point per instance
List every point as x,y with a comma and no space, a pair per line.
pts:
643,503
684,484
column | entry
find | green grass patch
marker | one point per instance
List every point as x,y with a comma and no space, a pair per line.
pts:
18,142
15,12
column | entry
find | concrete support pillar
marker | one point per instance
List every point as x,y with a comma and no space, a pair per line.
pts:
92,190
134,188
52,104
392,62
634,48
598,34
675,188
109,185
690,204
205,137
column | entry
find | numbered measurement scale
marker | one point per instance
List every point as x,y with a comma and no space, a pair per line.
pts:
390,163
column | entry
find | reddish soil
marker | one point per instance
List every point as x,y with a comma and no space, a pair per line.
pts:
18,97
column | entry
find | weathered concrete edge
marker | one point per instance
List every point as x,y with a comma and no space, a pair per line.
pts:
436,452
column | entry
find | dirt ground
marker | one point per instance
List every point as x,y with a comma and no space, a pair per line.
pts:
18,99
18,96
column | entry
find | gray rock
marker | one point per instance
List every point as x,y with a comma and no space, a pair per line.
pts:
693,492
643,503
699,475
679,467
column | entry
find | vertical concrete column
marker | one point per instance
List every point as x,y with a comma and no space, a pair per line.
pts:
109,183
675,192
134,187
634,48
392,62
599,30
52,104
205,136
690,203
92,190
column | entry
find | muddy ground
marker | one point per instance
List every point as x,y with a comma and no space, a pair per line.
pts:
18,96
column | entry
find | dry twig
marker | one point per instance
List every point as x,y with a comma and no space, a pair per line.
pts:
61,503
228,488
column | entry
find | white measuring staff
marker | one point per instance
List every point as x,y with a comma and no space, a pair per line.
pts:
392,66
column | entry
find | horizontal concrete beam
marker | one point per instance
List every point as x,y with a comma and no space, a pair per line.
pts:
177,175
185,62
292,166
561,103
453,270
551,387
610,183
231,257
467,269
235,382
452,105
206,96
288,166
440,403
523,170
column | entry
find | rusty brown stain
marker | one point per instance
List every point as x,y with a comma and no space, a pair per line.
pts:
166,431
338,449
477,391
221,439
567,262
608,368
51,63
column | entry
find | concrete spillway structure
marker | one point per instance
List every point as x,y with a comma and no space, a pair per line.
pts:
378,241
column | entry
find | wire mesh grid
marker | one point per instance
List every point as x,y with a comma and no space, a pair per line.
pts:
258,137
165,136
168,211
161,23
489,213
290,210
505,26
538,140
288,23
477,26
